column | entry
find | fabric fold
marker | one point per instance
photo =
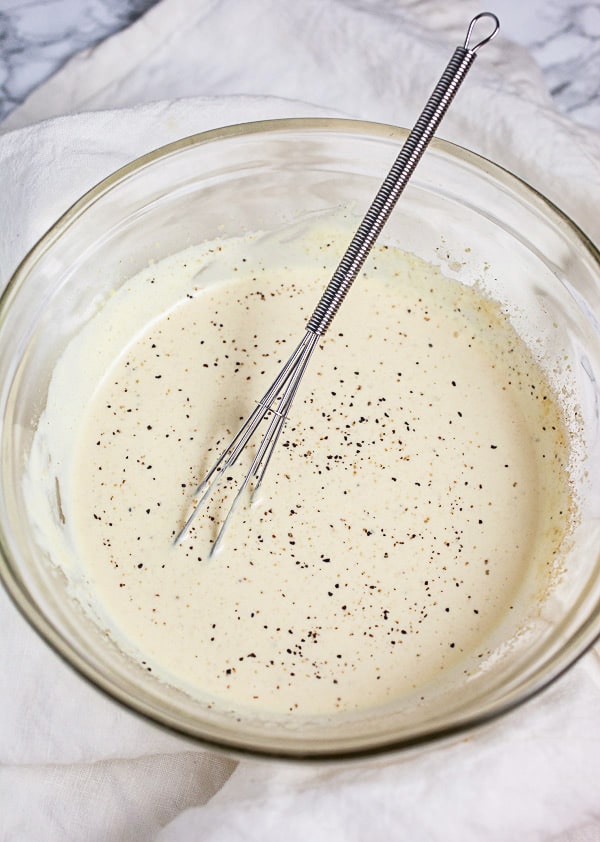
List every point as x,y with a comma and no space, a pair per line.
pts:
96,771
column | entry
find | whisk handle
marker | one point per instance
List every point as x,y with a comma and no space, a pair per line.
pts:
396,180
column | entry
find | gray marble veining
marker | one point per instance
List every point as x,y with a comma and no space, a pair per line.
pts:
570,55
38,36
563,36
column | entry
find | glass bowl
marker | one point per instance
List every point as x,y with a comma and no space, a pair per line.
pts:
259,176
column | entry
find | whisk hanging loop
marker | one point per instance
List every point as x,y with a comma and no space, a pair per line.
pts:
277,400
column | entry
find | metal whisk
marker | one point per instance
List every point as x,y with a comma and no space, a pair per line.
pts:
275,404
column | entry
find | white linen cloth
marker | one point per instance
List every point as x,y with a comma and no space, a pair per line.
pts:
75,765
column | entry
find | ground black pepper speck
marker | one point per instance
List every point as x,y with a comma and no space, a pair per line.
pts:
388,546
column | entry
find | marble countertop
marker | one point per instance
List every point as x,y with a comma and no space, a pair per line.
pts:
38,36
88,772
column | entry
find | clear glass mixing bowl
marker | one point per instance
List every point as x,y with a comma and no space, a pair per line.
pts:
258,176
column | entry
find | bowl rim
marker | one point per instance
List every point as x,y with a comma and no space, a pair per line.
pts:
586,635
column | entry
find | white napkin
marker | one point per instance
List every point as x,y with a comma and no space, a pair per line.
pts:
78,767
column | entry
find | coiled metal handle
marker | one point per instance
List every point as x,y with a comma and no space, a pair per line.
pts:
275,404
397,179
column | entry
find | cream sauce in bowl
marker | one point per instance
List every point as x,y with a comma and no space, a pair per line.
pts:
413,516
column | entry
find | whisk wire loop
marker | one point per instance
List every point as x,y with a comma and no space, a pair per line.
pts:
277,400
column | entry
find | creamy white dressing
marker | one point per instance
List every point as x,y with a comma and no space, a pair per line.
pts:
413,514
